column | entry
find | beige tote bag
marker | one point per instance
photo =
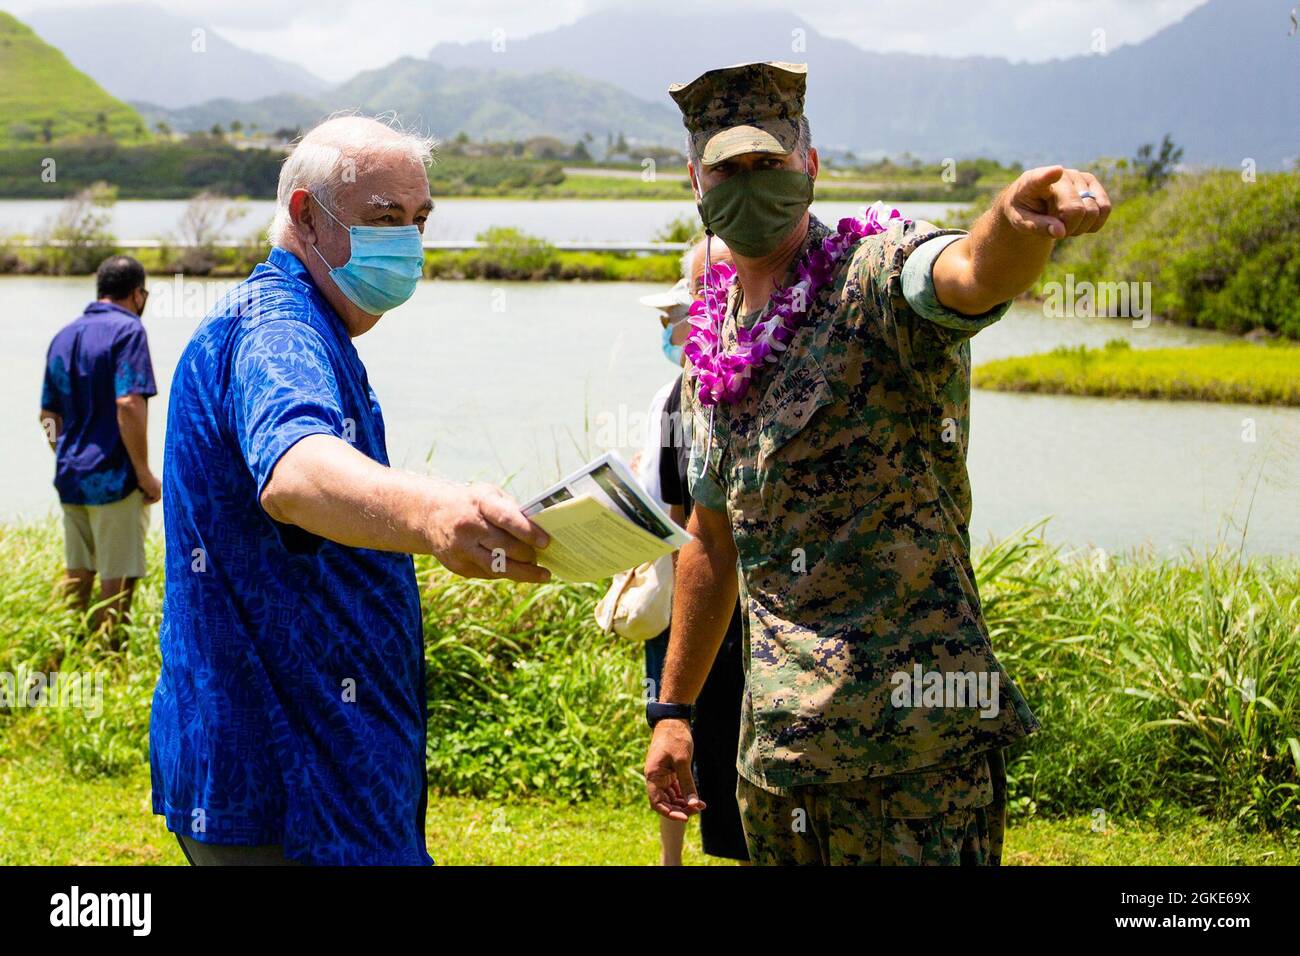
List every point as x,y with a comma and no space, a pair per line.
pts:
639,602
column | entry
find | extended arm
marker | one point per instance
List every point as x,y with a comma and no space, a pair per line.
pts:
1009,244
704,597
325,486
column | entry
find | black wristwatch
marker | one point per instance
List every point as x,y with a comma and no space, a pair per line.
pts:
656,711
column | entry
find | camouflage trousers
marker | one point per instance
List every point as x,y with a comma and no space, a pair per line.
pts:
947,815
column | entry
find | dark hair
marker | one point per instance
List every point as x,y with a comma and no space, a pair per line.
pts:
117,277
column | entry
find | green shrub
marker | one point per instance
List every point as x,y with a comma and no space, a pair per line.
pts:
685,228
526,695
1219,252
509,253
78,236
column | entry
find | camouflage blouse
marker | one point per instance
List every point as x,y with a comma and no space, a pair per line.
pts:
843,473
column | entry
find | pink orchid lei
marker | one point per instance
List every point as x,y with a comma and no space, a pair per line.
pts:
724,376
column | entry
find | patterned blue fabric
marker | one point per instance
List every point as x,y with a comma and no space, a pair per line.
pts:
291,703
93,361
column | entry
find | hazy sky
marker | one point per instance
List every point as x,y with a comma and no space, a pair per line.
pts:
337,38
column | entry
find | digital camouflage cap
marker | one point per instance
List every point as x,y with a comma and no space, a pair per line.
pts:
749,108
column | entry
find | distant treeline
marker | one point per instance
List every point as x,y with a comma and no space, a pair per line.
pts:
180,170
961,174
491,176
210,163
153,171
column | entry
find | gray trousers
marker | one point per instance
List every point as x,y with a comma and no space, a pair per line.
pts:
213,854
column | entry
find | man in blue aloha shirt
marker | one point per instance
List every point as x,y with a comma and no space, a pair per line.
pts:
98,378
288,723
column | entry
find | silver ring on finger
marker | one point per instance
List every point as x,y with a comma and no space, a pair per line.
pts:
1088,194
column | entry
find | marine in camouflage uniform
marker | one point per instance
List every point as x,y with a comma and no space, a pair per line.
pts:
842,471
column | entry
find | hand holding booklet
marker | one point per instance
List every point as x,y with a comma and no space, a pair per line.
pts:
601,521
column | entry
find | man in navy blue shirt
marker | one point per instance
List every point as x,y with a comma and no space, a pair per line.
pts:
98,377
289,722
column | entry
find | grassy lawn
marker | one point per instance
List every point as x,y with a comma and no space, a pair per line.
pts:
49,817
1166,690
1246,373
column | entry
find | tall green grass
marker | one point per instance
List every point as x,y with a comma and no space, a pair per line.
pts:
1160,684
39,634
1238,372
1163,686
526,696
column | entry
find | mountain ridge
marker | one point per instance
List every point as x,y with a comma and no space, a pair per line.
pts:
608,72
45,99
483,103
140,51
938,106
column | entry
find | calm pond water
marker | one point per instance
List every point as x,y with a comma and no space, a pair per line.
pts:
557,220
515,383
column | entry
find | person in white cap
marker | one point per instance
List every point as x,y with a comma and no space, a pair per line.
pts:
672,305
661,468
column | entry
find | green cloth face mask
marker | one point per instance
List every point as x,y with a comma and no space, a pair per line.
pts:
753,211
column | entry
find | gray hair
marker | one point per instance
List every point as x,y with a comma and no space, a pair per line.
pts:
688,260
322,159
801,144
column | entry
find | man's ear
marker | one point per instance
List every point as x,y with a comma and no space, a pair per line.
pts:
695,183
813,162
302,215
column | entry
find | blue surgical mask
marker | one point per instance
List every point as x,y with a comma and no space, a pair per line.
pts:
672,353
386,264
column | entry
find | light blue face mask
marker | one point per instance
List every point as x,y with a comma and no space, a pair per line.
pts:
386,264
672,353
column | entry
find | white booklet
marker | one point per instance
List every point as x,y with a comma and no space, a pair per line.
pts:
601,521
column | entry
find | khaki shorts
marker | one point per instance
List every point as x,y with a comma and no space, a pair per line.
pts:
107,539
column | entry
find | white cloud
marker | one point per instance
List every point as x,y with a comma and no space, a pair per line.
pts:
369,35
338,38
